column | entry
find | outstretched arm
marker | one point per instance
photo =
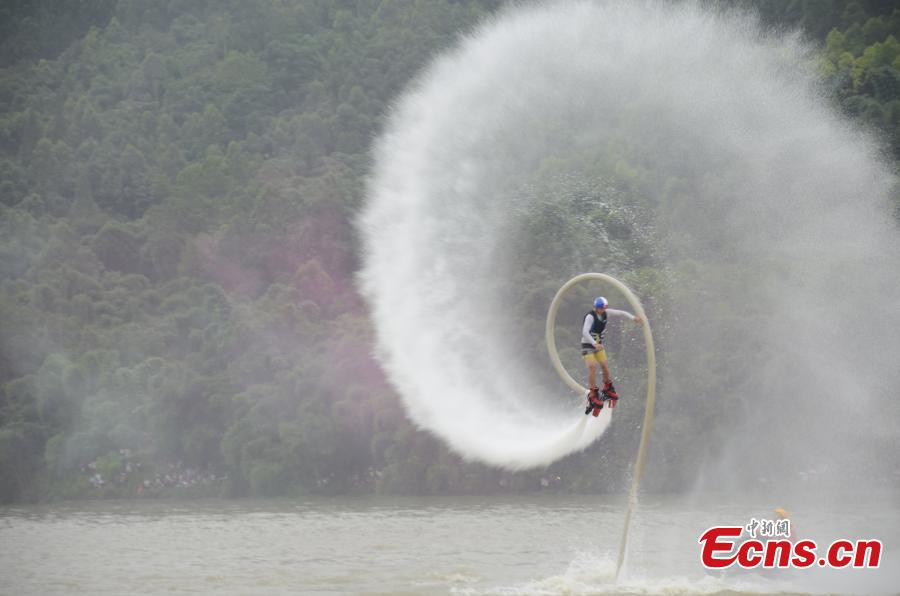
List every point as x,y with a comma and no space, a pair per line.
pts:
624,313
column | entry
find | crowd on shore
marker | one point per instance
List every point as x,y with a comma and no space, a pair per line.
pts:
125,469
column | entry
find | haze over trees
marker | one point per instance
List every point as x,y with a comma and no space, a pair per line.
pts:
178,182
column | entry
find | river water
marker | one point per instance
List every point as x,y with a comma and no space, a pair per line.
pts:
471,545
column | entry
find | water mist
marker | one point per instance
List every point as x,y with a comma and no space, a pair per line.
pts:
761,205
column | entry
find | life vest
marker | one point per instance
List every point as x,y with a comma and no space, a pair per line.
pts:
597,327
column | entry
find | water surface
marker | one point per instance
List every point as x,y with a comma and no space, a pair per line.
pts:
471,545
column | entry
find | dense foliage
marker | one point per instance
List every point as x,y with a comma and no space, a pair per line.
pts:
861,61
178,182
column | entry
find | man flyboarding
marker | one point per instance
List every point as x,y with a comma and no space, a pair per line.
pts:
593,352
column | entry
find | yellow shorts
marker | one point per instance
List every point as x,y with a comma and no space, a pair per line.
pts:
598,356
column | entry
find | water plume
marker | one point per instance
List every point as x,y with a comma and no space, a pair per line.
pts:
543,132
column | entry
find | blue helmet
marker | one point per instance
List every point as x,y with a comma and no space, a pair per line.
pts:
601,302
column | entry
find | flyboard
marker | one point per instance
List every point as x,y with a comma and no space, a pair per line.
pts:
550,337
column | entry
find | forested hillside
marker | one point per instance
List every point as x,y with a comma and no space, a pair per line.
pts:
178,185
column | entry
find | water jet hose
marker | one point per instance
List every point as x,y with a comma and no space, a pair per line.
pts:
550,336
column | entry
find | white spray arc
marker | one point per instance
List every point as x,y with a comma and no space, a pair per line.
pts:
689,99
